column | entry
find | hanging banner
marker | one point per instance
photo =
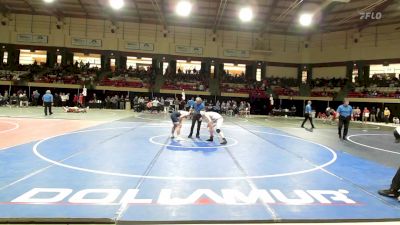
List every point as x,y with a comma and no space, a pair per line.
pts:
94,42
237,53
188,50
32,38
139,46
86,42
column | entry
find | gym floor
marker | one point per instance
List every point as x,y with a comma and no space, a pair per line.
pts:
119,166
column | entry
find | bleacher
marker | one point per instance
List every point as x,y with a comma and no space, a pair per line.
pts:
12,75
381,92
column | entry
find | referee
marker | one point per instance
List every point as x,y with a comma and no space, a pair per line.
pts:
308,115
198,106
345,111
47,102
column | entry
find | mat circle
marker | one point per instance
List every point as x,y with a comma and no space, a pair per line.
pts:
36,151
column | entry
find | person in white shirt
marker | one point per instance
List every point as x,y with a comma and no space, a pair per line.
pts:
63,99
215,120
155,103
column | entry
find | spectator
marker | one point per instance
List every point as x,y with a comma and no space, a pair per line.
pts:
35,98
365,115
373,114
386,115
23,100
357,114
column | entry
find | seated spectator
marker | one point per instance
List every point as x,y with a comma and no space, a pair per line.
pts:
23,100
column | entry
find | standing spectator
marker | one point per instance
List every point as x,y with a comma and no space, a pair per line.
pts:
80,100
67,99
154,105
47,102
121,102
307,115
373,114
386,115
57,100
35,98
365,115
197,117
75,100
344,111
63,99
176,104
357,114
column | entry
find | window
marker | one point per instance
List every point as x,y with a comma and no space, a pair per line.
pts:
59,59
384,71
212,72
112,64
304,76
235,70
354,75
138,63
184,66
165,67
5,57
258,74
28,57
93,59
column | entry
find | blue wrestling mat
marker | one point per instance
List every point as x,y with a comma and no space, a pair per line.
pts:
133,171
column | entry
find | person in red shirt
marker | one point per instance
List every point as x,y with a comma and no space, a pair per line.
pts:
80,100
365,115
75,100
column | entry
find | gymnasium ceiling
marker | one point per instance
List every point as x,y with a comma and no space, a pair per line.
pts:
275,16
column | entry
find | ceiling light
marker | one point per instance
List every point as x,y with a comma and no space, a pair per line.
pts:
116,4
306,19
48,1
246,14
183,8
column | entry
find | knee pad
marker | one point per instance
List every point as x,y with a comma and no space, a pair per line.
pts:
218,131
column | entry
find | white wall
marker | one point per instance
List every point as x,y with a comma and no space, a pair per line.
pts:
373,43
329,72
328,47
285,49
283,72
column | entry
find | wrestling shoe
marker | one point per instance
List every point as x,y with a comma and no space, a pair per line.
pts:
224,142
172,136
389,193
210,139
190,136
197,136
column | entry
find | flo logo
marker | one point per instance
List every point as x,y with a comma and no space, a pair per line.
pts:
370,15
